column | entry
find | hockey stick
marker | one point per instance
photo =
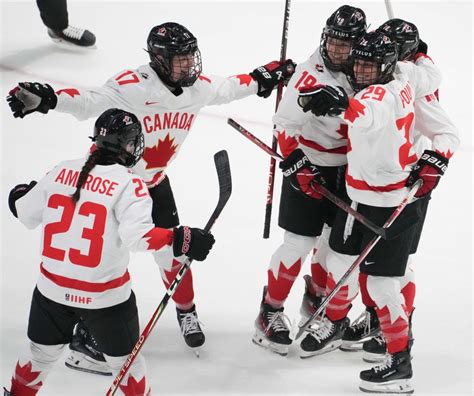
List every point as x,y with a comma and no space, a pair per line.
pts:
271,175
388,7
380,231
361,258
221,160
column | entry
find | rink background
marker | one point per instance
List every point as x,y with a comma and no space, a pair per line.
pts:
234,37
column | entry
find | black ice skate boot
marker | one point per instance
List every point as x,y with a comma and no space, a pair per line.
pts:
325,338
272,329
84,355
310,303
73,37
392,376
363,328
374,349
190,328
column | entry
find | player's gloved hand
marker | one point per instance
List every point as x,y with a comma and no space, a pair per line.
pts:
29,97
430,167
323,100
192,242
269,75
422,47
303,175
16,193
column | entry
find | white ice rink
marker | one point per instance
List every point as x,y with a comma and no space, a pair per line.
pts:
234,37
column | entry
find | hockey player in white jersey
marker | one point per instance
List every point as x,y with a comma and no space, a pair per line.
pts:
91,213
381,167
166,95
433,131
323,141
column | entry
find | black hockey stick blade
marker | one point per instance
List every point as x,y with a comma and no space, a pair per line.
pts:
221,160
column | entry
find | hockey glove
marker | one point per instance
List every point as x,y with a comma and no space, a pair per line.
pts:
302,174
269,75
16,193
192,242
323,100
29,97
430,167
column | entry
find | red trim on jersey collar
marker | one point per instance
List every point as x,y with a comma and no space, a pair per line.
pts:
318,147
92,287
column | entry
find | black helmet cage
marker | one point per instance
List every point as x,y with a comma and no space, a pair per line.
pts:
346,23
164,43
114,130
405,34
378,48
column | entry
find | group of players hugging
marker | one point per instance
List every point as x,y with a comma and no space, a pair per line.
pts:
360,117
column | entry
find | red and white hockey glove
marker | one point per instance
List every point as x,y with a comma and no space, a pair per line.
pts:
192,242
28,97
16,193
269,75
430,167
303,175
323,100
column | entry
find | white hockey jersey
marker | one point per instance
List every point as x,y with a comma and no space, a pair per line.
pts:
85,247
434,130
323,139
381,128
166,119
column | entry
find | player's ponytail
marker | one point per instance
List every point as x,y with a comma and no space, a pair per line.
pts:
86,169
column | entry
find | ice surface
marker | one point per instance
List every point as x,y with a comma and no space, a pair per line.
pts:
234,37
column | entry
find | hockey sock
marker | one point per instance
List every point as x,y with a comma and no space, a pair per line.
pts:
184,294
31,371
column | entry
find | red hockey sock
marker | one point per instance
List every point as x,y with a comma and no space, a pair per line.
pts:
135,388
396,333
366,299
340,305
319,277
279,287
22,381
184,294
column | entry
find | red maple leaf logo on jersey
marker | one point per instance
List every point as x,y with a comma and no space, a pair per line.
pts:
354,110
70,91
287,143
24,376
158,237
159,155
244,79
134,388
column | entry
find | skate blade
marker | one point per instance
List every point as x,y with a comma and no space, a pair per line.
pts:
70,46
86,370
279,349
350,346
328,348
402,386
373,357
80,362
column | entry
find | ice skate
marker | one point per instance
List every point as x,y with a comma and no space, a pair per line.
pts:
272,330
73,37
362,329
83,354
325,338
392,376
375,350
191,329
310,302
